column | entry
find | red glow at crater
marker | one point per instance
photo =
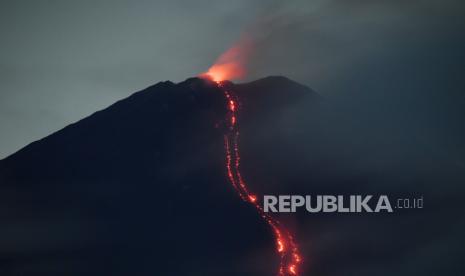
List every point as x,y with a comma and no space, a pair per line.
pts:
231,64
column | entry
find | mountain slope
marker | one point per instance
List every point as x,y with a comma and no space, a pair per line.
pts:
139,187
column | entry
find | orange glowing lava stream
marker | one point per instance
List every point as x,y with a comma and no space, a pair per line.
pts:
286,247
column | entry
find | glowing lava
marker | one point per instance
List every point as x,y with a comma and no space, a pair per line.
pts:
285,245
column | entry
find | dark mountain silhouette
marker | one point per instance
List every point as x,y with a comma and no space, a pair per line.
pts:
139,188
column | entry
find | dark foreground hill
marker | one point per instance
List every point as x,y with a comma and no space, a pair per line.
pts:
139,188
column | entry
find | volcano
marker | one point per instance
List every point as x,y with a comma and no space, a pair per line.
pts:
141,187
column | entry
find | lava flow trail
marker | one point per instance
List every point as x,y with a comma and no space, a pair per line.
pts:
285,244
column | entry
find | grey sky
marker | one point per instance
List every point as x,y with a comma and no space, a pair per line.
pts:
62,60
